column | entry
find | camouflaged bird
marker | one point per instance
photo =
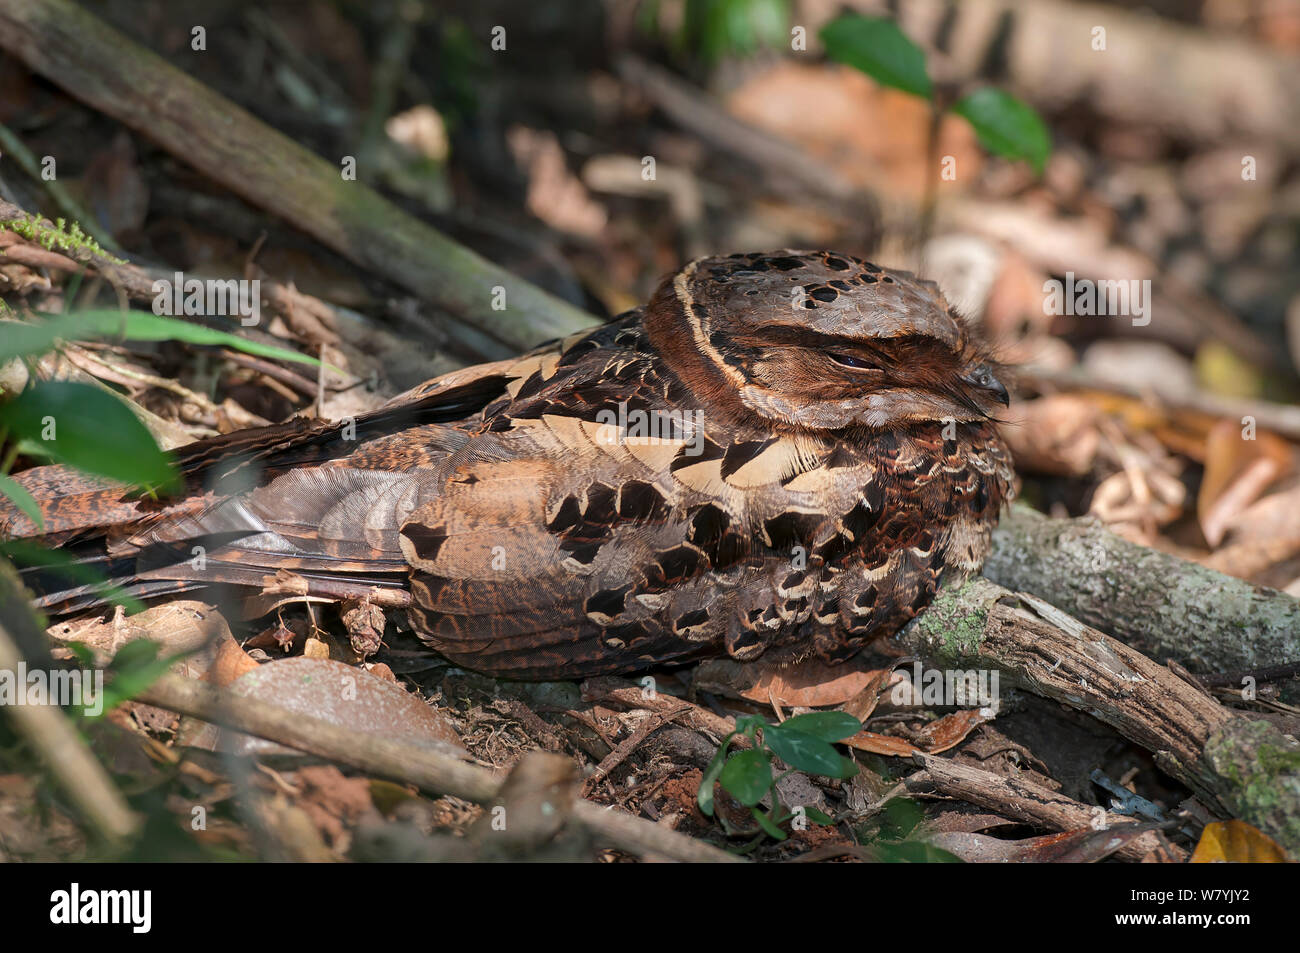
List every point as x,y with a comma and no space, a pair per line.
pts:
778,456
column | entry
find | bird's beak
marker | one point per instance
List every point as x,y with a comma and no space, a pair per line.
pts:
994,387
997,389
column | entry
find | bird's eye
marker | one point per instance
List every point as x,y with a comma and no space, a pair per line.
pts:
852,360
980,376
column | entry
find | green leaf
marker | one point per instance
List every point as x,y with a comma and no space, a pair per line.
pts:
90,429
27,339
765,822
704,795
719,27
818,817
25,553
877,47
1006,126
805,752
826,725
747,776
22,499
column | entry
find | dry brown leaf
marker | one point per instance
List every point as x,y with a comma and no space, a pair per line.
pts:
1275,516
347,696
886,745
1237,471
845,129
861,705
935,738
230,663
1262,541
180,626
808,685
1236,842
332,801
555,195
1016,300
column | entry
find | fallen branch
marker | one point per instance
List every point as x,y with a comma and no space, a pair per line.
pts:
47,729
409,763
1161,605
786,164
407,355
1246,768
98,65
1031,804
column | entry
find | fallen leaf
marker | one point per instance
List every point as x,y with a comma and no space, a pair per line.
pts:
332,800
861,705
180,626
808,685
1236,842
844,131
1237,471
230,663
936,738
342,695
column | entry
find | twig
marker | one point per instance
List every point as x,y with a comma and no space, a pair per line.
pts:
127,376
97,64
50,734
296,382
1017,798
619,754
406,762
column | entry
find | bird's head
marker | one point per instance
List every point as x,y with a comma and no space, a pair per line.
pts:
821,341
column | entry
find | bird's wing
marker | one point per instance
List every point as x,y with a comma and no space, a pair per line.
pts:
567,540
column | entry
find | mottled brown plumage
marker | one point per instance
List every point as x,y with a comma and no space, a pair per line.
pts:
778,457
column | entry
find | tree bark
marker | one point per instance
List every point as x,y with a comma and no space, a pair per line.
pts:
1163,606
1242,767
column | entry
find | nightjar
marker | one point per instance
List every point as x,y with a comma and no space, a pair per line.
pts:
777,457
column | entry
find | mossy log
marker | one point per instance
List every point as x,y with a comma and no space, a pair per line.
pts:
1163,606
1238,765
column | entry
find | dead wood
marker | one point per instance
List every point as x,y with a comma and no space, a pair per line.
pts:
411,763
98,65
1246,768
1163,606
1032,804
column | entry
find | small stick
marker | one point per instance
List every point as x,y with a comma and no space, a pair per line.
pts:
402,761
52,736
